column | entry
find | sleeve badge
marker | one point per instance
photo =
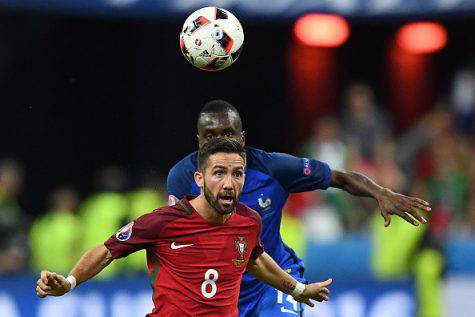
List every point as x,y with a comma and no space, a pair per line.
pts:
125,232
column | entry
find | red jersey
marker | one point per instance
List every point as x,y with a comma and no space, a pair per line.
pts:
195,267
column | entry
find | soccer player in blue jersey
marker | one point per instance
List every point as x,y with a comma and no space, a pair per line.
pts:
270,178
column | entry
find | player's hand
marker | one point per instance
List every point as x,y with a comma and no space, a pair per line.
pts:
315,291
52,284
391,203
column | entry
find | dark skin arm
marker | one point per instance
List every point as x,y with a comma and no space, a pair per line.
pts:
390,203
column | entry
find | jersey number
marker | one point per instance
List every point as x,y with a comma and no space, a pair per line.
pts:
290,299
211,276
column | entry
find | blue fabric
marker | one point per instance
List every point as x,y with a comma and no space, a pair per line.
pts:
270,177
269,302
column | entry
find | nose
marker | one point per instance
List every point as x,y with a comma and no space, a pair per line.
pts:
228,183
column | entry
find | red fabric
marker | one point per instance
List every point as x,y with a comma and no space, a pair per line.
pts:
297,202
178,286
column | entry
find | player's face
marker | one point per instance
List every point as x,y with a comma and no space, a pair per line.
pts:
217,125
223,181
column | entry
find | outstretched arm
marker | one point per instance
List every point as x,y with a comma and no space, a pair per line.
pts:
90,264
266,270
390,203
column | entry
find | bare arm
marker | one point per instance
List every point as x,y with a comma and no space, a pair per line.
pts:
355,183
390,203
90,264
266,270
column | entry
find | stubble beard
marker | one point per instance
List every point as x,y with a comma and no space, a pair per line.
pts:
213,202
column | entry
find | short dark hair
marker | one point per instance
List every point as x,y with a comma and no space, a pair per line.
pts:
218,106
219,145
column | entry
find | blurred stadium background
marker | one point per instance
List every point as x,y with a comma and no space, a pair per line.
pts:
97,103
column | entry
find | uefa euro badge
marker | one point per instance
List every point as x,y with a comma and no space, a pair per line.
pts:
125,232
240,245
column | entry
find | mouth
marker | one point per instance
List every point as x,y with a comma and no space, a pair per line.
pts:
226,199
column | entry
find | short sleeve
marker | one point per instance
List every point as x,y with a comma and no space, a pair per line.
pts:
297,174
258,250
134,236
259,246
179,180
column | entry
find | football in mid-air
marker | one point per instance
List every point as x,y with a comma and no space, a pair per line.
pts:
211,38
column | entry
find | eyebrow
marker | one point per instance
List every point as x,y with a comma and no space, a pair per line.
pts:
225,167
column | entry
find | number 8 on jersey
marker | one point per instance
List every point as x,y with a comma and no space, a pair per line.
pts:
211,276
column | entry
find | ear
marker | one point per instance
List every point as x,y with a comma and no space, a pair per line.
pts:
199,140
243,137
199,179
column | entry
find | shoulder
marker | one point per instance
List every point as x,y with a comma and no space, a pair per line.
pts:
270,163
160,217
257,159
247,212
295,174
181,176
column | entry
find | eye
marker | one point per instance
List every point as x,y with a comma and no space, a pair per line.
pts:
208,137
237,174
228,134
218,173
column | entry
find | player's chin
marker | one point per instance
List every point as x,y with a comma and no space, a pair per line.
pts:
226,207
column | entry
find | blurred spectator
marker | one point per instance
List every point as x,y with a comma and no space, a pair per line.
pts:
150,195
322,223
12,220
103,213
401,250
327,144
55,236
388,173
447,185
469,225
429,128
463,100
363,121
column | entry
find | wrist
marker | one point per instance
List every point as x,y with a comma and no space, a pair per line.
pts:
380,193
72,282
298,290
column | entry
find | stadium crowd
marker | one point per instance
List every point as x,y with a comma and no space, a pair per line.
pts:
431,159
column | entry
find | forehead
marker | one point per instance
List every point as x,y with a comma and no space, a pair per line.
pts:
212,121
229,160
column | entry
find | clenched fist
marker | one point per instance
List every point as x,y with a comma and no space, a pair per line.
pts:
52,284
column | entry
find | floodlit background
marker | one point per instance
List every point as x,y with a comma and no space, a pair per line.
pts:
97,103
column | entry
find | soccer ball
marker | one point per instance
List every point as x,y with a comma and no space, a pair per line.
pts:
211,38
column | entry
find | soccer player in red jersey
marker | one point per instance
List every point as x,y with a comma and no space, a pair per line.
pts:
198,249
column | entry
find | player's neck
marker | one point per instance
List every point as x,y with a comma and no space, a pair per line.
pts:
201,205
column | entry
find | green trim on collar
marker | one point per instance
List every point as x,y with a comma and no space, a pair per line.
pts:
187,210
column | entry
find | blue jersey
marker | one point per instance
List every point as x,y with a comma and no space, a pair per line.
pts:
270,177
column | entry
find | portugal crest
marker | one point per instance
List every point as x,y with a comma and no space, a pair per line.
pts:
240,245
125,232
